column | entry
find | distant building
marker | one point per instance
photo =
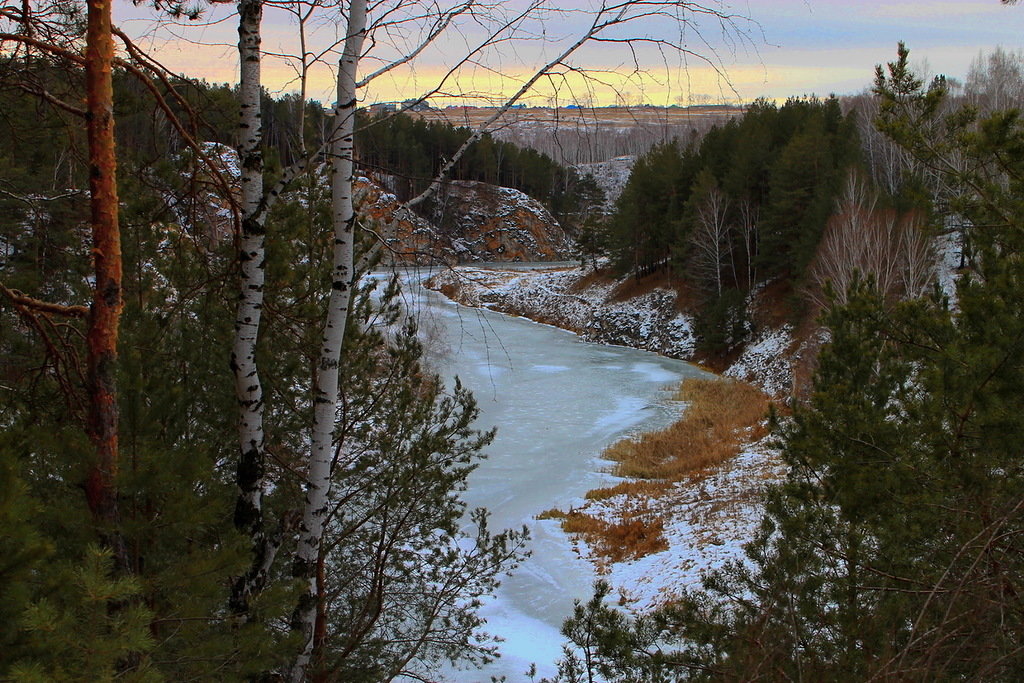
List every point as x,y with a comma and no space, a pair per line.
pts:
416,105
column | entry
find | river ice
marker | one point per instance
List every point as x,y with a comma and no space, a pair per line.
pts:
557,403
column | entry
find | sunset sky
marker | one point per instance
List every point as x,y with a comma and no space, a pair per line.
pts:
789,47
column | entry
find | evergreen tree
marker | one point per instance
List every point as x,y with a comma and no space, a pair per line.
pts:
893,548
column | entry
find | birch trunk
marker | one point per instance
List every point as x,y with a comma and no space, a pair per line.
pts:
105,313
248,388
325,391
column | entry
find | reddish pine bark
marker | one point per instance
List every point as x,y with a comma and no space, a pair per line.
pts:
105,312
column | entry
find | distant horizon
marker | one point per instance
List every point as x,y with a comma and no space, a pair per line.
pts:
778,49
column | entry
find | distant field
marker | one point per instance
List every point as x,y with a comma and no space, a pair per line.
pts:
618,117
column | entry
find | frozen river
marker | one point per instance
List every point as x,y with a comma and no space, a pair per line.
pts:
557,402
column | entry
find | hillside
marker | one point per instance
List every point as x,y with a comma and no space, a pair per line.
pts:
653,316
475,222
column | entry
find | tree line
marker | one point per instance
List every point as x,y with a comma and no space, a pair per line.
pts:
221,456
892,549
742,205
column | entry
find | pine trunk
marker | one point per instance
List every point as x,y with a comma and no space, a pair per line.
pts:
325,391
105,313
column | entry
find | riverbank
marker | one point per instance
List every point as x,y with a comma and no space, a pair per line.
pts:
651,316
702,520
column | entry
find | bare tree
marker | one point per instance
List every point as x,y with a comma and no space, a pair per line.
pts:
710,239
863,240
378,40
746,230
996,82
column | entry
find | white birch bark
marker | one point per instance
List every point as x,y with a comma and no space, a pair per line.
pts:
710,238
248,388
325,391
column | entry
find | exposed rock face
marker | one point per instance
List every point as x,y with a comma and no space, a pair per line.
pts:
412,239
489,223
481,222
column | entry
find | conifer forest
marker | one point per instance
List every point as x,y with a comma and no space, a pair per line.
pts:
230,449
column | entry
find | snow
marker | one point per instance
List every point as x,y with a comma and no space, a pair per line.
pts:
648,322
618,419
764,361
611,176
949,249
707,522
652,373
551,368
535,642
224,158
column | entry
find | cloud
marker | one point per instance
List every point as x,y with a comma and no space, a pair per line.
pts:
944,10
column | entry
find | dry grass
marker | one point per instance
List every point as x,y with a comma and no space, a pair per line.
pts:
592,278
452,290
640,487
722,415
637,532
632,286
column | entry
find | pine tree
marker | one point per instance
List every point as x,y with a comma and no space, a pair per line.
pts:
893,548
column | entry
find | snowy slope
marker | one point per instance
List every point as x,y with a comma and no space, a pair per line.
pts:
562,297
649,322
706,519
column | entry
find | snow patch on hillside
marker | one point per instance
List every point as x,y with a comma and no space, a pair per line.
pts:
949,249
765,363
649,322
611,176
707,522
563,297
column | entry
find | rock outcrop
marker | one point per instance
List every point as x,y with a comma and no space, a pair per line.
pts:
476,222
411,239
489,223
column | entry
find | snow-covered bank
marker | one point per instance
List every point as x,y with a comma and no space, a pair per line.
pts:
562,298
707,518
573,299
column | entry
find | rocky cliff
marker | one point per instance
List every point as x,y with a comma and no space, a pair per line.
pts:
472,222
577,300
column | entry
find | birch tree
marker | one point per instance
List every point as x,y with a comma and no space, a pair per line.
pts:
862,239
377,41
710,239
252,257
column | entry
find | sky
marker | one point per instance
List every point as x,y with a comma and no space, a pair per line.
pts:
767,48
